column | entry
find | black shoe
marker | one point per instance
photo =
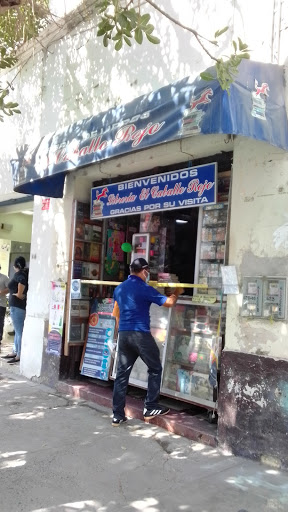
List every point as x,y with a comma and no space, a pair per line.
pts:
14,360
160,410
11,333
8,356
116,422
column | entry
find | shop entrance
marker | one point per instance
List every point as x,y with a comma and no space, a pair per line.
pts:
184,247
172,238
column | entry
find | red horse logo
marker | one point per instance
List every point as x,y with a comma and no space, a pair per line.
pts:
103,193
262,89
202,99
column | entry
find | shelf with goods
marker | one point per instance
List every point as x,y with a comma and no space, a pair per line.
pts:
212,239
85,263
211,248
192,342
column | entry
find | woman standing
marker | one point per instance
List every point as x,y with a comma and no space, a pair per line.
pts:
17,301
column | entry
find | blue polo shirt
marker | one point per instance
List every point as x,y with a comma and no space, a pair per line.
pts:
134,298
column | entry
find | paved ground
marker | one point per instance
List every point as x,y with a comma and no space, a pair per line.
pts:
62,455
6,347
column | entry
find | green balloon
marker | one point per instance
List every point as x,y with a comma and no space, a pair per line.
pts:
126,247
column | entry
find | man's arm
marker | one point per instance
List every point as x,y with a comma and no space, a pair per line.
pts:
116,313
4,292
171,301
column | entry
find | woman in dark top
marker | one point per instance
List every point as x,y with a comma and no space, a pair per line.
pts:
17,301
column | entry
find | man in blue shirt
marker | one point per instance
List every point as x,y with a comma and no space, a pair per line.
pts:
133,299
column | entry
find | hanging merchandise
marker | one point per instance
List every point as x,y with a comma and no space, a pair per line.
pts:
114,254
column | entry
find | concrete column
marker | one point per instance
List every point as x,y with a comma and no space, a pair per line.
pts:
49,261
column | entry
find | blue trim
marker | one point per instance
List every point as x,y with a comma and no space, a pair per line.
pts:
21,200
254,108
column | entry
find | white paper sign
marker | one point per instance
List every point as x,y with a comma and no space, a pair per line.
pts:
229,280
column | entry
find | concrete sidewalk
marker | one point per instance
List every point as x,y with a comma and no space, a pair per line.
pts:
61,454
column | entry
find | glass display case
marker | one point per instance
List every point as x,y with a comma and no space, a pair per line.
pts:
212,247
159,328
192,353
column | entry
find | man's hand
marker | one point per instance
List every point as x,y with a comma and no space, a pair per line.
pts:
171,301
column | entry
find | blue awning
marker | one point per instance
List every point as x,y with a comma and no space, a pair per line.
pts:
254,108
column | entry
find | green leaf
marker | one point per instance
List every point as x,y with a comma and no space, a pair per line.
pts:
235,45
133,17
245,55
207,76
153,39
11,105
149,29
109,26
220,32
102,23
236,59
132,14
122,20
127,41
16,111
105,40
145,19
242,46
101,32
127,33
118,45
139,35
117,36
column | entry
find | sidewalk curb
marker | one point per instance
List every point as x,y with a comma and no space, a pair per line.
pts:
179,423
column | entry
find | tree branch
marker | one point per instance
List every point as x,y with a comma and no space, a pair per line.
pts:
194,32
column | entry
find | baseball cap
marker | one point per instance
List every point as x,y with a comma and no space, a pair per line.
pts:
139,264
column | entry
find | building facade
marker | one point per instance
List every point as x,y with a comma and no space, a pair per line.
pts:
69,77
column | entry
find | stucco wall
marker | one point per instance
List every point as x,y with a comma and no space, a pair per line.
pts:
21,227
258,240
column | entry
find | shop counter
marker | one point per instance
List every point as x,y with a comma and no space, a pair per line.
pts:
189,341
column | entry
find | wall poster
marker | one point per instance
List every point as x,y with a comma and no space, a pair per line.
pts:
96,358
56,317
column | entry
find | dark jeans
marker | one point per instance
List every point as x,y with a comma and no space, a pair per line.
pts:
131,345
2,320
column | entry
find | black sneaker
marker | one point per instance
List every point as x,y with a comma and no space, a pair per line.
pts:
117,423
160,410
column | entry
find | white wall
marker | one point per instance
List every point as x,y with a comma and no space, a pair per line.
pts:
21,227
77,77
258,240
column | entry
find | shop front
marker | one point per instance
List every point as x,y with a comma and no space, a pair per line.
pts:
178,221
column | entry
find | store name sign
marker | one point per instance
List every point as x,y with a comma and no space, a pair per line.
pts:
185,188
